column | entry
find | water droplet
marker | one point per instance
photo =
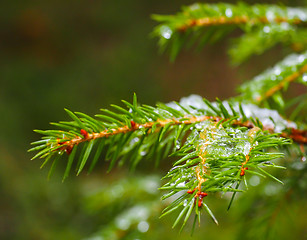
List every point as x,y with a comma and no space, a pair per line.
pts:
271,189
304,77
166,32
134,140
143,226
182,184
285,25
151,185
228,12
194,6
254,180
122,223
185,202
140,213
298,165
294,13
270,16
277,70
266,29
301,58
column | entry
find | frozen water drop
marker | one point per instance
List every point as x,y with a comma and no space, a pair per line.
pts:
270,16
182,184
194,6
246,148
270,189
266,29
301,58
228,12
123,223
285,25
277,70
166,32
143,226
254,180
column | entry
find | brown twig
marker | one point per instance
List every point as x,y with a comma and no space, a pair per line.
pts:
299,136
215,21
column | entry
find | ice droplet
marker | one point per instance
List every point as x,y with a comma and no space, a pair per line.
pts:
182,184
134,140
122,223
194,7
277,70
271,189
228,12
166,32
143,226
254,180
151,185
297,13
301,58
266,29
177,145
270,16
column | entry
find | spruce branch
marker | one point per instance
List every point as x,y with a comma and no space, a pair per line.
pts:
269,84
265,37
219,160
84,129
294,76
203,23
217,144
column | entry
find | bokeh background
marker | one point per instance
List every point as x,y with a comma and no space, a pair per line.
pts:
84,55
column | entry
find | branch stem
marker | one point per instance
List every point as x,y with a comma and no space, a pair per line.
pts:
297,135
215,21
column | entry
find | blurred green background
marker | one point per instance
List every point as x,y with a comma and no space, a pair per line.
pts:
85,55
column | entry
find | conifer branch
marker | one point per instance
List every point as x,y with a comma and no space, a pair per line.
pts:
134,127
261,39
222,20
216,144
65,141
205,23
268,84
294,76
